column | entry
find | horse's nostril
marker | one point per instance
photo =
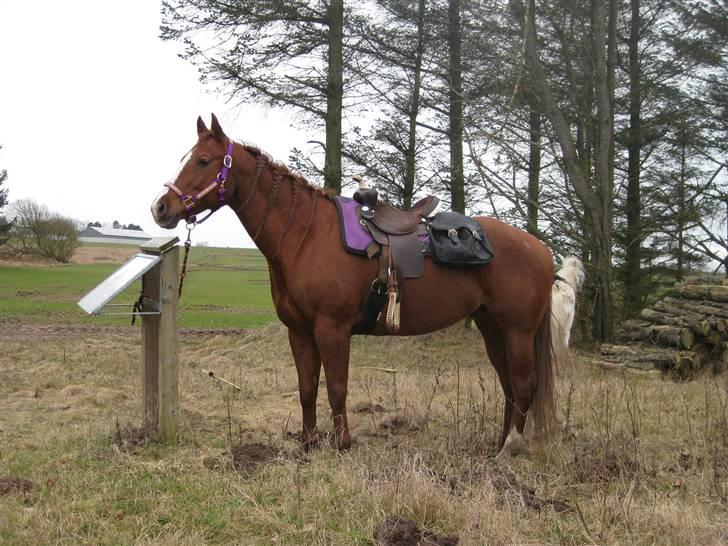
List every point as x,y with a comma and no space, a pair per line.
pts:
160,207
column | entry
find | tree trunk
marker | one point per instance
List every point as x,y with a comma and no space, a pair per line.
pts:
414,110
710,308
681,210
457,177
700,326
334,96
671,336
596,198
711,292
534,169
455,112
677,308
604,82
633,250
725,259
664,359
603,316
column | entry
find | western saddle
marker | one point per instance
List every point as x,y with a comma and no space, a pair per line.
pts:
398,243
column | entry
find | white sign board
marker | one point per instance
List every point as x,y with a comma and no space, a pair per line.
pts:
117,282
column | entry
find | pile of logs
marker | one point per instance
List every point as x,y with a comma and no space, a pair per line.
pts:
684,332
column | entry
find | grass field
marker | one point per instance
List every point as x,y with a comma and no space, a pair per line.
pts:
636,459
224,288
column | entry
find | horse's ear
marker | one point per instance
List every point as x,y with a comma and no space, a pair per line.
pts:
201,128
216,128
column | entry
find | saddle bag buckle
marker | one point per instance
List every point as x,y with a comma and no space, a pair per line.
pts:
452,233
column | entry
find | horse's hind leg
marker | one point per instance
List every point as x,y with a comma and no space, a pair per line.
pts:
522,374
308,366
496,349
333,340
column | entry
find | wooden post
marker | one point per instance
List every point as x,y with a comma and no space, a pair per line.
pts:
151,282
160,396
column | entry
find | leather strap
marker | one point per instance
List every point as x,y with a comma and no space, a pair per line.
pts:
382,275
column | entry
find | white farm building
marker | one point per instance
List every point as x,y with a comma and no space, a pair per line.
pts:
112,235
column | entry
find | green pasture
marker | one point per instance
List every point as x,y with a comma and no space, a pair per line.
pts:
224,288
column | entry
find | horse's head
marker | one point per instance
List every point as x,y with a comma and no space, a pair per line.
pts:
200,184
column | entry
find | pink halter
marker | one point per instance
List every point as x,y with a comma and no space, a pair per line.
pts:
190,201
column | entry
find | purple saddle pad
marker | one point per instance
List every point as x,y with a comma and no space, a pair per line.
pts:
354,236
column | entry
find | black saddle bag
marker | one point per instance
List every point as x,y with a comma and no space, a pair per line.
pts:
457,240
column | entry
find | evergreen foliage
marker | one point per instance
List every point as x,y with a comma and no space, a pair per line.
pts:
600,126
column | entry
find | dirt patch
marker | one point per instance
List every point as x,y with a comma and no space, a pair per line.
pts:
103,254
209,307
247,456
15,485
25,260
509,485
211,332
403,532
129,438
244,457
11,330
213,463
399,424
368,407
16,330
592,466
28,293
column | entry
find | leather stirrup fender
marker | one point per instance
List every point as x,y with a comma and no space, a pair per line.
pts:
392,316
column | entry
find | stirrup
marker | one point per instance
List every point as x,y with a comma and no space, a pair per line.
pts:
392,320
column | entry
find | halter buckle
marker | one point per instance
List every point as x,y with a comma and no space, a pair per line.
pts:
188,202
227,161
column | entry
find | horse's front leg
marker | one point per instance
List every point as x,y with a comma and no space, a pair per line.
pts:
308,366
333,340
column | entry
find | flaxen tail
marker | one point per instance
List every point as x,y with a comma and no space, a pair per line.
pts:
543,406
567,282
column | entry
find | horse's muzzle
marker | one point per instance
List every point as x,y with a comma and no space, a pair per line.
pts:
163,216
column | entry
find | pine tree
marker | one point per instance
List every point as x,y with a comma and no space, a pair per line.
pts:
590,174
283,54
392,66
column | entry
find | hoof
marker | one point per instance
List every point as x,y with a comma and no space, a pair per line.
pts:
342,443
513,445
308,441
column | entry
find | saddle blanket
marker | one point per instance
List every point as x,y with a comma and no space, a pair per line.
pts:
354,236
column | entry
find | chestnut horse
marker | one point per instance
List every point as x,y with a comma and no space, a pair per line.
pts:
319,290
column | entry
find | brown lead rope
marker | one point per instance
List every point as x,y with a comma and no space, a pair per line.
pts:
188,243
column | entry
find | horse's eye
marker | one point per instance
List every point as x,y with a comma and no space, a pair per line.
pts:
203,161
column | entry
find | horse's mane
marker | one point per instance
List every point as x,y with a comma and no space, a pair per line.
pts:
280,171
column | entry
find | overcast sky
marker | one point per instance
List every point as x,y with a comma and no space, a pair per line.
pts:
96,111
